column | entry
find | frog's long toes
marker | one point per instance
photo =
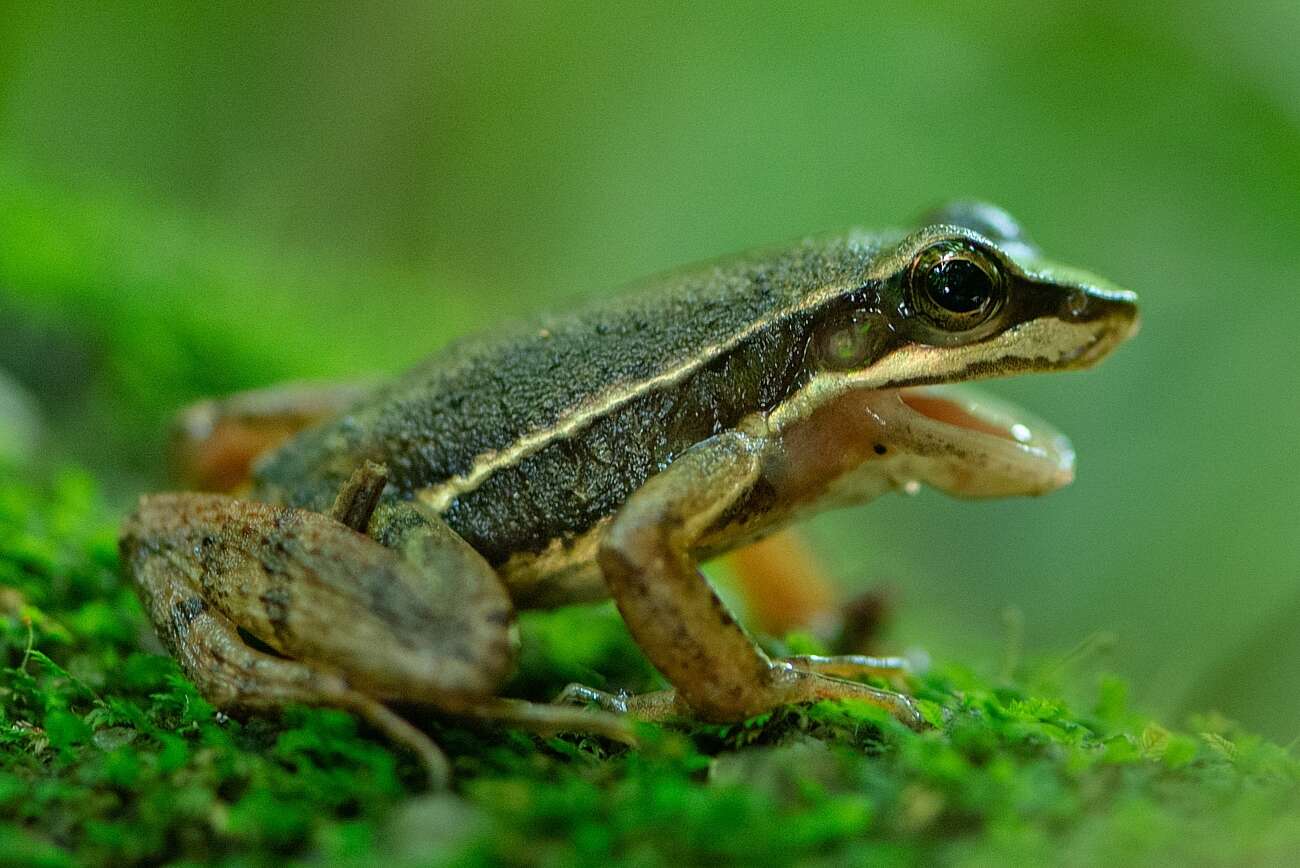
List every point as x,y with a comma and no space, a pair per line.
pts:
657,705
551,719
582,695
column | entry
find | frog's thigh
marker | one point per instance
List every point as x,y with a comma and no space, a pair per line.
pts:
421,617
673,613
425,620
234,675
215,442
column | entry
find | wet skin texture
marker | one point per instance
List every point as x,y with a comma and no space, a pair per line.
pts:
376,555
483,394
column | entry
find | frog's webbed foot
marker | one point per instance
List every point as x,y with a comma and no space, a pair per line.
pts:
802,686
719,673
666,705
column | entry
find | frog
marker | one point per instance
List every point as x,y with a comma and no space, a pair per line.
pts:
375,556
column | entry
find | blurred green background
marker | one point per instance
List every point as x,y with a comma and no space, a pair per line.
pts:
194,200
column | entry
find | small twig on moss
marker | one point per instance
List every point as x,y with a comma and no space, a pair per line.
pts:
31,642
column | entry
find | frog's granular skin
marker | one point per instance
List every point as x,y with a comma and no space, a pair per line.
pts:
633,382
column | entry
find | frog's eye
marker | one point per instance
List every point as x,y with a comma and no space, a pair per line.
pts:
849,341
955,285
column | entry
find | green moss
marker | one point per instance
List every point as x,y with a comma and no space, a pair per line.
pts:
108,756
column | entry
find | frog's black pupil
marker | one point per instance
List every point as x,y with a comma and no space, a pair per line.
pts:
958,285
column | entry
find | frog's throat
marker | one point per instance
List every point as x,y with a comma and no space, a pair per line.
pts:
971,444
948,436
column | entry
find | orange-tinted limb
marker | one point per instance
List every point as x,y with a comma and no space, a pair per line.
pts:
215,442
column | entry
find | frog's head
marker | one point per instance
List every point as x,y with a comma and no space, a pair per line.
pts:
965,297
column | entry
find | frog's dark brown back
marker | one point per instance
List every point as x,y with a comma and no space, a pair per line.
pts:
540,429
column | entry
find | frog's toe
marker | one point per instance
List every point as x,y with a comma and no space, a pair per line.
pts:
856,665
789,685
581,694
555,718
655,706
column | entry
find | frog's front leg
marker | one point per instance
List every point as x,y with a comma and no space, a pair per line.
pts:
717,670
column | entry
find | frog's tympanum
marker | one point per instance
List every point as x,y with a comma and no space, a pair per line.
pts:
378,555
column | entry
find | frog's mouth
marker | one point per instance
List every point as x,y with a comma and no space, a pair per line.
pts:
968,443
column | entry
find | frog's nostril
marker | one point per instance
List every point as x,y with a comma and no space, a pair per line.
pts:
1115,313
1077,304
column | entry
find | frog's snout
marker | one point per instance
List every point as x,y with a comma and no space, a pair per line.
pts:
1112,315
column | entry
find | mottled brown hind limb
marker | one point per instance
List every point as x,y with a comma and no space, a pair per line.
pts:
233,675
348,622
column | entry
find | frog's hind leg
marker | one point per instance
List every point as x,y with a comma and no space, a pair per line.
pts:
347,622
719,673
265,605
233,674
355,505
215,442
